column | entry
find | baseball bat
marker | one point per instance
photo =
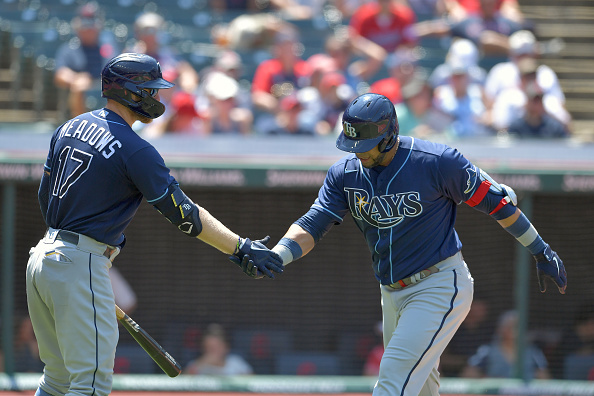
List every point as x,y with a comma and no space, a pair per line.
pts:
163,359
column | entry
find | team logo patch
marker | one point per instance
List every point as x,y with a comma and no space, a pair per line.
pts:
349,130
471,180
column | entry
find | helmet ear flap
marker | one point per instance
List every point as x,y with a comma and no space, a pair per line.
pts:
387,143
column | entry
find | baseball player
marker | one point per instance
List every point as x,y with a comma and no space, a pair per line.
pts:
95,177
402,193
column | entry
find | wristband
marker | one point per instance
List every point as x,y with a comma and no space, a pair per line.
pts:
288,249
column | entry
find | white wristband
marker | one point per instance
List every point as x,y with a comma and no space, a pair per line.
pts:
284,252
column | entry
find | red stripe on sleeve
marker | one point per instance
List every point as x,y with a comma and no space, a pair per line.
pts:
479,194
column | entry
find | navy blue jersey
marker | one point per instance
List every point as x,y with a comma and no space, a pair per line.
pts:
100,169
406,210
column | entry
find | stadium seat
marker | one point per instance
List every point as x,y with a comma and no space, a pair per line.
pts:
307,363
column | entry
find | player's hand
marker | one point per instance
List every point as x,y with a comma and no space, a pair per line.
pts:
549,265
256,260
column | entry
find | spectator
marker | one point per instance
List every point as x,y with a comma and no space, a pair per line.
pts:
180,117
356,57
536,122
573,357
417,115
497,359
504,75
464,103
335,95
322,101
385,22
460,9
488,30
402,65
510,103
287,120
229,63
223,114
461,51
216,358
474,332
149,31
80,61
280,76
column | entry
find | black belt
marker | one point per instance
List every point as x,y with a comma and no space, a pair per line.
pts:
419,276
73,237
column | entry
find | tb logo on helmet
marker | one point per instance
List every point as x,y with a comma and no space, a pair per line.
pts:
349,130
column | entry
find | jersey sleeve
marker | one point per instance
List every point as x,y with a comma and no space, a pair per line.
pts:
331,199
147,170
459,177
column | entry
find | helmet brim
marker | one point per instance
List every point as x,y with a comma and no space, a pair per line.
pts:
357,145
159,83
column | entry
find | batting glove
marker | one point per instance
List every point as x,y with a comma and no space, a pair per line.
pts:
549,265
255,259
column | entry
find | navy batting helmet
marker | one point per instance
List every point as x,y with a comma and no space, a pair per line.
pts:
368,121
137,74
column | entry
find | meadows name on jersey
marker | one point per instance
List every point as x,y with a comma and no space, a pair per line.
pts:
95,136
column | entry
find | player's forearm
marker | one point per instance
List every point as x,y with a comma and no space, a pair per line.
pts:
517,224
295,244
216,234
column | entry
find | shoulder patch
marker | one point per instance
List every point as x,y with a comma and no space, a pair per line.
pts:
471,180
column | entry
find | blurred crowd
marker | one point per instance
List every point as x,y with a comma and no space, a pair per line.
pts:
377,48
485,346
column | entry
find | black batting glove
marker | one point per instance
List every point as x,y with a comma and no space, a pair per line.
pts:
247,265
255,259
549,265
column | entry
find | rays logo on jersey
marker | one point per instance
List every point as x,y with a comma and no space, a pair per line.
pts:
383,211
471,181
349,130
